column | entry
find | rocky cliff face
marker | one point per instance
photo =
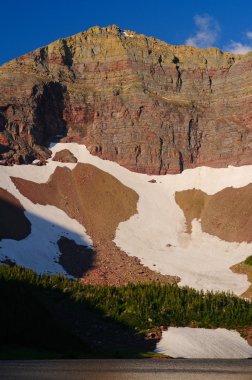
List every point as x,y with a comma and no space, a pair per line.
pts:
150,106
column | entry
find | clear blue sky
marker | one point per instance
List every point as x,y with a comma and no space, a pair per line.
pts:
26,25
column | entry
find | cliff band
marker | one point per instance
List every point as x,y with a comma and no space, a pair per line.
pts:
150,106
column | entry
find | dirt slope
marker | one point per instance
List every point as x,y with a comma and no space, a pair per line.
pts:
226,214
99,202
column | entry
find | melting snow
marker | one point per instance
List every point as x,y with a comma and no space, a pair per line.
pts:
197,343
156,235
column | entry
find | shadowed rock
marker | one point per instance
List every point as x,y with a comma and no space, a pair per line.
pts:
13,222
75,259
65,156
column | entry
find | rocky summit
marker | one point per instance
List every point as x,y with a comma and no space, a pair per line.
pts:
150,106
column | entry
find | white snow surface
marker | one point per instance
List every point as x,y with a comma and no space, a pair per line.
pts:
198,343
156,234
39,250
125,34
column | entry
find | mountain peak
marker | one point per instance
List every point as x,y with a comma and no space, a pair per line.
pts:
151,106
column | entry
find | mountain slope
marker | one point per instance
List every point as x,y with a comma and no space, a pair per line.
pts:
132,242
150,106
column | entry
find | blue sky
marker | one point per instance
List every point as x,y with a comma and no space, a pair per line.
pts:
26,25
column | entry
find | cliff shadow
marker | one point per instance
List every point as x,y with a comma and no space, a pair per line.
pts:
49,122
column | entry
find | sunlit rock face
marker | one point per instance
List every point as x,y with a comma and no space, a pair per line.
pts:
148,105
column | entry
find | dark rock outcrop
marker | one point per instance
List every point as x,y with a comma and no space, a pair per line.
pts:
13,222
150,106
65,156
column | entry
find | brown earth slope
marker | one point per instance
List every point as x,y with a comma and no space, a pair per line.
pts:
148,105
226,214
99,202
243,268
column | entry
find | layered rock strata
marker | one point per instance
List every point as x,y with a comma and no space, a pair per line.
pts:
148,105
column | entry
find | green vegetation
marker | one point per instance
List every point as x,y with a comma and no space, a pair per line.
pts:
150,305
34,310
248,260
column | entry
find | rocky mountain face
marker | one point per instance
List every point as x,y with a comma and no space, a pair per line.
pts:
150,106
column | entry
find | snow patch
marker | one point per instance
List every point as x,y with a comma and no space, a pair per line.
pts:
125,34
198,343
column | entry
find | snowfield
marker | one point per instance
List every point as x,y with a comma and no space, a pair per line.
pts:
197,343
39,251
156,234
